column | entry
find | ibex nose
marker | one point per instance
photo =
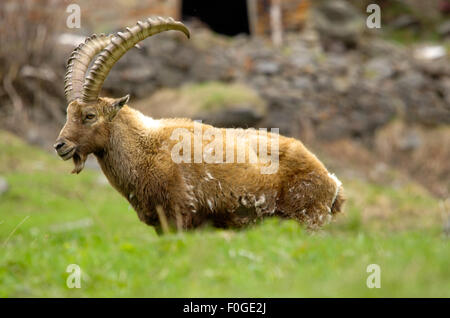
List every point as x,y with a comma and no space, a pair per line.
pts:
59,144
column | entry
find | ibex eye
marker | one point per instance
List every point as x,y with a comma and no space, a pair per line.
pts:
90,116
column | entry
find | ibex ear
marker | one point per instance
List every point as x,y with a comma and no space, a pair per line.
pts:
117,105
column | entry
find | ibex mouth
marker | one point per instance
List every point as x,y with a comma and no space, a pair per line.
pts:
68,154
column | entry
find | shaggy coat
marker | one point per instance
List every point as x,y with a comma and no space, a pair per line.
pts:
135,154
169,177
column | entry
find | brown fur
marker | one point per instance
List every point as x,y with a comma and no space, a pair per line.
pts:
137,161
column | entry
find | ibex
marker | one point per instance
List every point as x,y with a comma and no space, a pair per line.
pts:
136,153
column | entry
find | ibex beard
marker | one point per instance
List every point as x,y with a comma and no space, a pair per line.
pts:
162,165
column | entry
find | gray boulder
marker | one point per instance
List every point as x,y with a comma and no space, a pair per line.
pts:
338,20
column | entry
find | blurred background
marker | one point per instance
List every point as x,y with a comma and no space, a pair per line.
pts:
369,97
374,104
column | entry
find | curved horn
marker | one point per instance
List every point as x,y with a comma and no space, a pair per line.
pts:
118,46
78,63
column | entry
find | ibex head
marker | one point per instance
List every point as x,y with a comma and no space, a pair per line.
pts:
89,116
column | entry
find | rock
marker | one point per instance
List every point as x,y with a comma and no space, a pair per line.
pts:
137,74
302,56
341,84
4,186
439,68
302,83
411,81
302,60
405,22
445,89
338,20
337,63
267,68
410,141
444,29
244,117
209,68
379,69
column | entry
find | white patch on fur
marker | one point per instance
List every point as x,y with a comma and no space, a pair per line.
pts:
209,175
260,201
210,204
338,185
187,184
335,179
190,195
149,122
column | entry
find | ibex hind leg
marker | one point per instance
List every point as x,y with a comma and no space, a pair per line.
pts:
307,203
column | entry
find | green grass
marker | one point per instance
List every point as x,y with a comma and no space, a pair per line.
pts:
50,219
214,95
198,98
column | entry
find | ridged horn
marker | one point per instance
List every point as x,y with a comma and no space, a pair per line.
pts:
118,46
78,63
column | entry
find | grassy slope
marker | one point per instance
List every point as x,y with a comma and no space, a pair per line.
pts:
194,99
79,219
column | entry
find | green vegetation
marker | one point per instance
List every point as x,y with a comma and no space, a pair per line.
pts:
50,219
410,37
197,98
214,95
